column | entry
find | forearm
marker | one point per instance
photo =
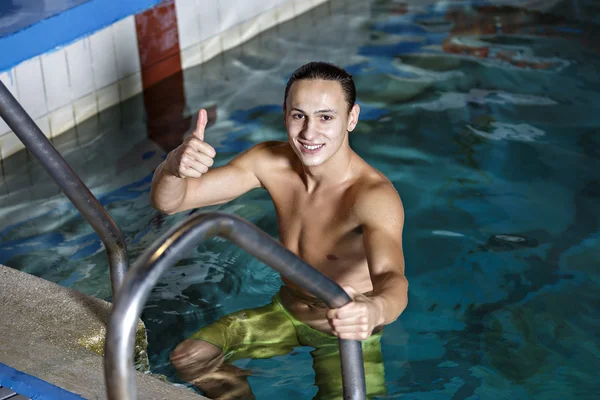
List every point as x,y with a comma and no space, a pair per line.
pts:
390,294
168,191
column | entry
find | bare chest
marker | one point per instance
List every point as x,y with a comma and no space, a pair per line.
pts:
320,229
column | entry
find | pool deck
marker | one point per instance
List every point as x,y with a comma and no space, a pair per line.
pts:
50,332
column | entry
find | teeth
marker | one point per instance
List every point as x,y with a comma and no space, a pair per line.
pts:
312,147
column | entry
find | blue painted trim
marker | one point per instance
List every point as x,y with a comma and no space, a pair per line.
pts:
65,28
33,387
15,17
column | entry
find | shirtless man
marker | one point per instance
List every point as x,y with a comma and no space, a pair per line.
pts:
334,211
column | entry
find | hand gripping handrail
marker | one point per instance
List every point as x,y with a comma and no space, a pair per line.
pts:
36,142
174,245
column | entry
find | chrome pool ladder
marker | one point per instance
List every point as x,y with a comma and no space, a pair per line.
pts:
173,246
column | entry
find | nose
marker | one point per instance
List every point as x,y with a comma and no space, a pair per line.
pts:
309,131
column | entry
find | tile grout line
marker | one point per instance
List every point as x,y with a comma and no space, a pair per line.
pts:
48,112
95,84
72,102
117,69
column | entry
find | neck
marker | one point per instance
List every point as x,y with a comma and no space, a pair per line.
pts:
334,171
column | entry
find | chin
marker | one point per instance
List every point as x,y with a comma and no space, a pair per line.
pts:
311,163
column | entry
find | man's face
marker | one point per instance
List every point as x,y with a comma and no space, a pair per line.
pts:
317,120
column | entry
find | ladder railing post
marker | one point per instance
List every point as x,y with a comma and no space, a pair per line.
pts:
38,144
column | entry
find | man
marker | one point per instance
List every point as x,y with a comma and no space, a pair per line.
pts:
334,211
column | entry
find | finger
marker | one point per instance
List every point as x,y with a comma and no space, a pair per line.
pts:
353,335
349,321
360,328
350,310
332,314
200,124
185,171
202,147
350,290
199,157
191,167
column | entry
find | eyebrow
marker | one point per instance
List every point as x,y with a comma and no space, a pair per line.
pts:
322,111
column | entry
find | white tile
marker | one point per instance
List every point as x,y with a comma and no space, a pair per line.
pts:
191,56
126,47
269,4
44,124
268,19
85,108
187,23
8,78
208,18
3,127
56,79
319,2
61,120
9,145
79,61
108,96
248,9
303,6
104,62
230,38
30,84
228,14
130,86
210,48
286,11
249,29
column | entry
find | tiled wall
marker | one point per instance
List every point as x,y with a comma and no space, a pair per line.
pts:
72,83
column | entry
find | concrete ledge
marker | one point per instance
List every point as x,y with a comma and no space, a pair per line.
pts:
55,334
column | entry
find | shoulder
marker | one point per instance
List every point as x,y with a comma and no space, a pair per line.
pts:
262,152
376,200
266,158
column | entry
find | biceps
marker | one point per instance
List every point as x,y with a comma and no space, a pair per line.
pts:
383,249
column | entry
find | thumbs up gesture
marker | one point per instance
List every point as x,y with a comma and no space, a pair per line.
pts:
194,156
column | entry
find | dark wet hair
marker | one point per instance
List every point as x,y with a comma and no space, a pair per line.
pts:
328,72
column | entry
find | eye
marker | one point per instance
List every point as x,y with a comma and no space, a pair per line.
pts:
297,116
326,117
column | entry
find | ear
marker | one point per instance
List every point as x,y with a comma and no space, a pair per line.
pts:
353,117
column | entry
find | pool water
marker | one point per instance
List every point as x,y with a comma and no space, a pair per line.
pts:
483,116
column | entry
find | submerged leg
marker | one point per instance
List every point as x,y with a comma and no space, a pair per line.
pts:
262,332
201,363
328,372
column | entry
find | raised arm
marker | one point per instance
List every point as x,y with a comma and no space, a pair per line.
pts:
185,180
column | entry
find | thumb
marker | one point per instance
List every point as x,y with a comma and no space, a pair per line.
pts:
350,290
200,124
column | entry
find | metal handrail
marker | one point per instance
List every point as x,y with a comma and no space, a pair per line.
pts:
91,209
173,246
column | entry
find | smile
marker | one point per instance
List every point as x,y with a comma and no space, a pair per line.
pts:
315,147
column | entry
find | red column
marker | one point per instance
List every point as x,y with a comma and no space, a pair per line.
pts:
162,78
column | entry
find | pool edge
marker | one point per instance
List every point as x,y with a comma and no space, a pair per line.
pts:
43,326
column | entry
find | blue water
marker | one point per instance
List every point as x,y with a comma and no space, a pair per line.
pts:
484,118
